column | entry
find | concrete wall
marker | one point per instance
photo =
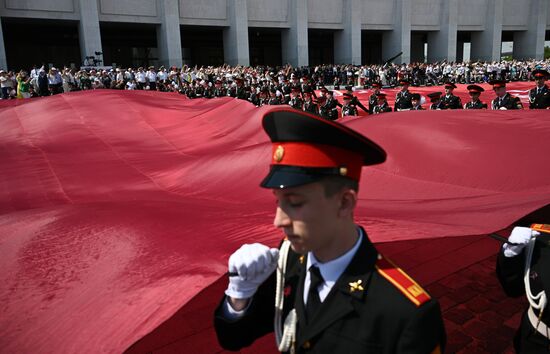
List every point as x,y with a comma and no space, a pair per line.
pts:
471,15
397,18
515,15
377,15
425,15
325,14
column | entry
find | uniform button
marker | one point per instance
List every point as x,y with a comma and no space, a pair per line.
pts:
306,345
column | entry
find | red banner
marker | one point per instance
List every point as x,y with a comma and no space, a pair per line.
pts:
117,208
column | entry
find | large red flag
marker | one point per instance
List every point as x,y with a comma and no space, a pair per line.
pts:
118,208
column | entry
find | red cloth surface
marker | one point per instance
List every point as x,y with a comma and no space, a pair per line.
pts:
118,208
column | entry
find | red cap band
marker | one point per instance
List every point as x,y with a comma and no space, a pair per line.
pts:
318,156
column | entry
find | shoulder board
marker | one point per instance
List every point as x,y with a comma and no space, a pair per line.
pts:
541,227
401,281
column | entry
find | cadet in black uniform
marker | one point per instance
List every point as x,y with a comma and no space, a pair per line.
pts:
320,101
523,268
238,91
403,97
348,109
330,105
309,105
416,105
435,99
373,100
475,92
539,96
354,100
381,104
219,90
295,99
504,100
336,292
450,101
273,99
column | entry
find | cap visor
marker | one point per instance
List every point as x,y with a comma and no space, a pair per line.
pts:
280,177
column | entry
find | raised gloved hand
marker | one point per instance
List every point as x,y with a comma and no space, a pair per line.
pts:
254,264
519,238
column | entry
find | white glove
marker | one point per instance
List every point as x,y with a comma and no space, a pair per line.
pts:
521,237
254,264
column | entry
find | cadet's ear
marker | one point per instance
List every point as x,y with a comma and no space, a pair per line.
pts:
348,201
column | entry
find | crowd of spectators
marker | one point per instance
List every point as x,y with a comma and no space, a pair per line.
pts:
202,81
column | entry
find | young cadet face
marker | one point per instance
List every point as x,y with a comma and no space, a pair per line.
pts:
308,217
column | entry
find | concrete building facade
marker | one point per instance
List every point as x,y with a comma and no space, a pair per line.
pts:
245,32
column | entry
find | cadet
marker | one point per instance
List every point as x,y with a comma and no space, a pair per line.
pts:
539,96
354,101
504,100
403,97
415,99
373,100
273,99
295,100
309,106
330,105
523,268
381,104
435,99
219,90
334,292
450,101
475,91
348,109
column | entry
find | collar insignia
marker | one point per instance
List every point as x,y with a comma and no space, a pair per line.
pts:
356,286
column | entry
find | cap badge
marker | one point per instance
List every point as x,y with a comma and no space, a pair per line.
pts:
343,171
356,286
279,153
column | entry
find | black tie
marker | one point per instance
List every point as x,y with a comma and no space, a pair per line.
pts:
313,300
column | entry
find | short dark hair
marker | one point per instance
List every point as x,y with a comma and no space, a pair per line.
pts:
334,184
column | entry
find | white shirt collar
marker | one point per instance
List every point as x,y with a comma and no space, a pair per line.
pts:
332,270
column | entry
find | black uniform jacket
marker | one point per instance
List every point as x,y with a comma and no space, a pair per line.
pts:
475,105
508,102
510,274
403,100
539,100
381,108
378,318
451,102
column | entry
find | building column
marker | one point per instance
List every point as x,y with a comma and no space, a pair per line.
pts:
3,60
235,37
295,39
347,42
399,39
442,43
168,34
88,29
530,44
487,44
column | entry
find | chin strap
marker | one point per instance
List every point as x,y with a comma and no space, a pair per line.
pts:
285,335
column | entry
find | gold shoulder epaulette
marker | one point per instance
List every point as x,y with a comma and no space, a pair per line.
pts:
401,281
541,228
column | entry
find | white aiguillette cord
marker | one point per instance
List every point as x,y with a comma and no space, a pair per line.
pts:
535,301
284,335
